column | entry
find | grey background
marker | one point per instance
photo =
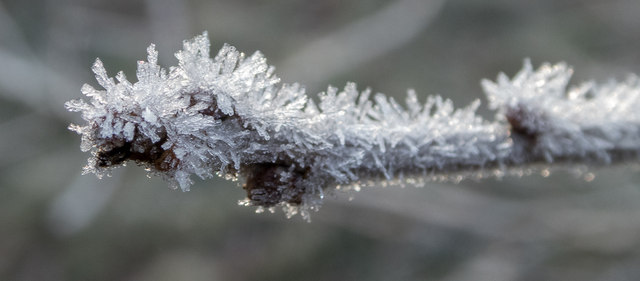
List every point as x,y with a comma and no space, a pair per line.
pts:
58,225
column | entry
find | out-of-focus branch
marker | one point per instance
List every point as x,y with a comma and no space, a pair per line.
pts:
361,40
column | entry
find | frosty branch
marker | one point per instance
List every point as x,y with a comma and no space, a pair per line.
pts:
230,116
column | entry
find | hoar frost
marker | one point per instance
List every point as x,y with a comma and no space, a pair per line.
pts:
230,116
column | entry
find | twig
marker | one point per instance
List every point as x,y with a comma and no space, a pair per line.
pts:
230,116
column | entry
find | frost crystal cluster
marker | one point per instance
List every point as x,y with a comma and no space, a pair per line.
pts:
230,116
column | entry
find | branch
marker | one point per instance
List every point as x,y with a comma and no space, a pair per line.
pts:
230,116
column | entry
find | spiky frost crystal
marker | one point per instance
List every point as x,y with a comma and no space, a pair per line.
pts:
229,115
588,123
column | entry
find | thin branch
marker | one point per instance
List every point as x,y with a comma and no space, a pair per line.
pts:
229,116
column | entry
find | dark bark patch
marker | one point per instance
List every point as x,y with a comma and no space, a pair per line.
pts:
266,186
141,150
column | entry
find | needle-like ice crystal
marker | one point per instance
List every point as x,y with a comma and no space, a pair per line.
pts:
230,116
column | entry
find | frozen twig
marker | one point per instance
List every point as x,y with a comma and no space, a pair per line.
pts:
230,116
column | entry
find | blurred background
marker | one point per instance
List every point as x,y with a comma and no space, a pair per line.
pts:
58,225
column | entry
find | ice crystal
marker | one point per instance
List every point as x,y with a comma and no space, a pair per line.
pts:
230,116
589,122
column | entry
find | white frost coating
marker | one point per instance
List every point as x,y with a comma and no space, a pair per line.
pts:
230,116
589,120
